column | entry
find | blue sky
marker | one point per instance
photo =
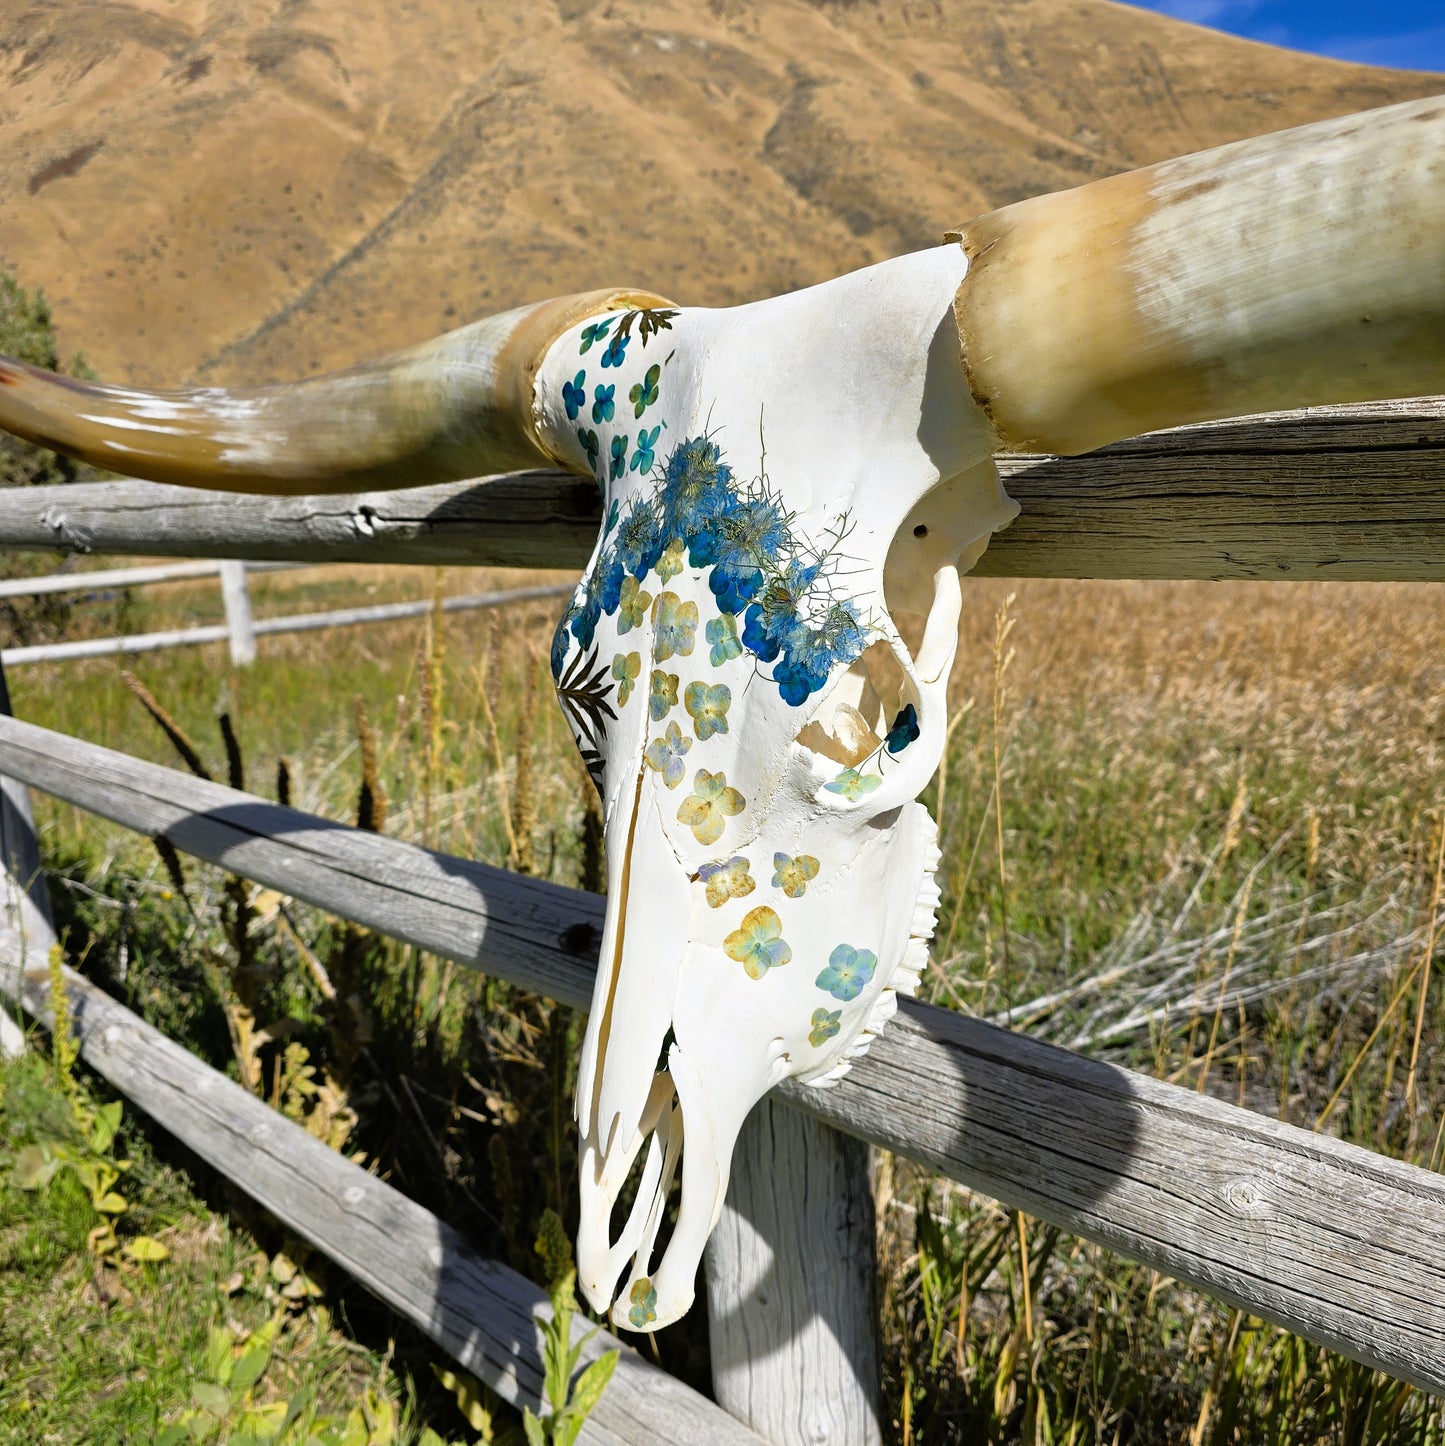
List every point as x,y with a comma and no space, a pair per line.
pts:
1405,33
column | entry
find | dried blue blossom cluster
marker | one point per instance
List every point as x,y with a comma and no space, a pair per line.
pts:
742,535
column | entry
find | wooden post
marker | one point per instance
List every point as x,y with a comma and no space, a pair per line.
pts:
238,612
792,1297
26,931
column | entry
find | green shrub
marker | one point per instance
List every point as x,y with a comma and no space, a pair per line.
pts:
27,332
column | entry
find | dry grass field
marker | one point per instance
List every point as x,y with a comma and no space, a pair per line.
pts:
1193,827
1220,811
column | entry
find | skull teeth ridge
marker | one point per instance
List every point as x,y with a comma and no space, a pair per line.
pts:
758,731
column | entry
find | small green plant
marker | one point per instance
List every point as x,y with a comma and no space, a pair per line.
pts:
225,1407
85,1148
571,1401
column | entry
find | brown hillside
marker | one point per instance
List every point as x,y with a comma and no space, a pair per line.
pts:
258,188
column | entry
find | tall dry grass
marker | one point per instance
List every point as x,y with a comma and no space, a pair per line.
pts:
1193,826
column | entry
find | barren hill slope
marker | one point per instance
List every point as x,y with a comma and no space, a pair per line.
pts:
245,189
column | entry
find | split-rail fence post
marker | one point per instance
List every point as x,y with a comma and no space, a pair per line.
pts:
24,905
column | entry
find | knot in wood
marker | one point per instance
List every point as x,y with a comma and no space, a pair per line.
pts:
1245,1197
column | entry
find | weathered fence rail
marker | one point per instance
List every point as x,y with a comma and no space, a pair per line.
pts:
484,1314
139,576
1329,1240
1345,493
267,627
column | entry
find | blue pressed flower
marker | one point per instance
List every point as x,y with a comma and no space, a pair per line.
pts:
853,785
616,352
601,586
848,972
642,1298
665,754
561,641
639,538
643,457
574,395
602,404
708,707
610,592
674,622
733,583
644,393
757,639
811,653
619,456
697,486
826,1023
590,445
903,731
584,619
722,633
592,333
743,538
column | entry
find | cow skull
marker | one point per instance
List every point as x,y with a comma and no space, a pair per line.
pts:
783,482
757,725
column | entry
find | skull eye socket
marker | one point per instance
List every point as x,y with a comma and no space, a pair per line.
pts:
853,721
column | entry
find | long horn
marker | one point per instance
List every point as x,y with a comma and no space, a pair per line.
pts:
456,407
1300,268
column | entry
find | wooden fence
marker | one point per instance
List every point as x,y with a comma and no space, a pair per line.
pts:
1335,1242
240,629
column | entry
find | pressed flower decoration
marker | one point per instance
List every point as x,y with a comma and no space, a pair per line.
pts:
590,445
644,457
626,670
722,633
595,332
662,695
632,605
670,563
848,972
826,1023
708,708
710,804
853,785
616,352
644,393
603,406
676,623
665,754
904,730
758,945
793,875
642,1303
619,456
574,396
726,880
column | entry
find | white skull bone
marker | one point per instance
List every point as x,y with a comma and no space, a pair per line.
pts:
755,722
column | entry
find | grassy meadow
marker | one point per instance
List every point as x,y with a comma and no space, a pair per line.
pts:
1195,828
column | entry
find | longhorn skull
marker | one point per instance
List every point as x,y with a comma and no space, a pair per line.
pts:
779,481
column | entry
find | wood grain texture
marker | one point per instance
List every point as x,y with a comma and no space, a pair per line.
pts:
1348,493
791,1289
27,932
485,1315
1330,1240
